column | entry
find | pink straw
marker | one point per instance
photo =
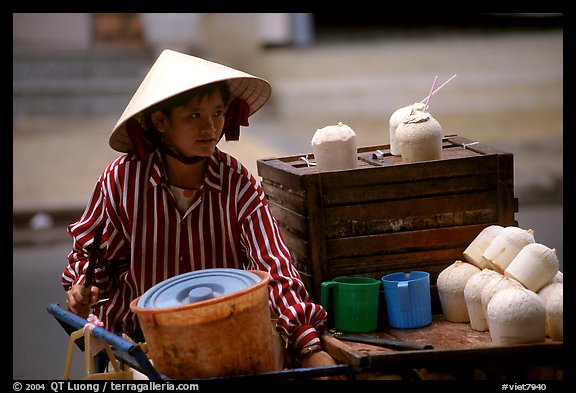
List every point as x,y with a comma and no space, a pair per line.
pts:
441,86
430,94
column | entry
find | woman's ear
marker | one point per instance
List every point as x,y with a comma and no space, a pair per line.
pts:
159,120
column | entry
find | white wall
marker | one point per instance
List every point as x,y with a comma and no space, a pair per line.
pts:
52,31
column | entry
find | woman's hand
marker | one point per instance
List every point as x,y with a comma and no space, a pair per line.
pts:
79,304
320,359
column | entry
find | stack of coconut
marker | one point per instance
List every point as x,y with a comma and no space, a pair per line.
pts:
508,284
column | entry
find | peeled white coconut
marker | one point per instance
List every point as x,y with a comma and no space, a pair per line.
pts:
451,282
396,119
493,286
419,138
555,314
545,294
534,266
473,297
559,277
516,315
473,253
547,290
335,148
505,246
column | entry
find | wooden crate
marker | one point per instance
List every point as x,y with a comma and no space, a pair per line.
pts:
387,215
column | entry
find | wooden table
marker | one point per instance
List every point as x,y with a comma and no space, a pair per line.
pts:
459,352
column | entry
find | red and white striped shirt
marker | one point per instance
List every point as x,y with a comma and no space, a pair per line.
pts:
147,240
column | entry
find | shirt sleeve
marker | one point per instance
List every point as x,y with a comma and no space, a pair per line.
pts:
82,233
299,319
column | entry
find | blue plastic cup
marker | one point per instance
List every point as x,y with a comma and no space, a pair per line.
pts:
407,297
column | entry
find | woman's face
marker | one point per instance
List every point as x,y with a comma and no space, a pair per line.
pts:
193,129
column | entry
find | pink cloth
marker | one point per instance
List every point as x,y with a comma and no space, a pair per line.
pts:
95,344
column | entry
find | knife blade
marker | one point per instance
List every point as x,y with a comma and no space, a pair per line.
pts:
390,343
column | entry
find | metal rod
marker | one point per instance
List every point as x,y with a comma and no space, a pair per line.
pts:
76,322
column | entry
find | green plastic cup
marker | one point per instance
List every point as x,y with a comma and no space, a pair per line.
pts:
353,302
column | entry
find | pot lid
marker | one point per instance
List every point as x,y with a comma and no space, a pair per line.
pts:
197,286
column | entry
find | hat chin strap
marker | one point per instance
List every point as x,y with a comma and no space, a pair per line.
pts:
180,157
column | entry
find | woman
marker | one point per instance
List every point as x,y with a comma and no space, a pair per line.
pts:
174,203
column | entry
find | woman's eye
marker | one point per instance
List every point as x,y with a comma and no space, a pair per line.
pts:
219,113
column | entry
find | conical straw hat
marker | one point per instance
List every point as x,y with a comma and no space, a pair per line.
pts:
174,73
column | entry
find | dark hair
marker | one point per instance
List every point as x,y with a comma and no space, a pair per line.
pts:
182,99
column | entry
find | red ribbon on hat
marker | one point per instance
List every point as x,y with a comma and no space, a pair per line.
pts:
136,133
236,116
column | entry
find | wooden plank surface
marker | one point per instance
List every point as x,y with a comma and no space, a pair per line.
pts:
432,261
365,191
289,199
421,240
411,214
452,342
